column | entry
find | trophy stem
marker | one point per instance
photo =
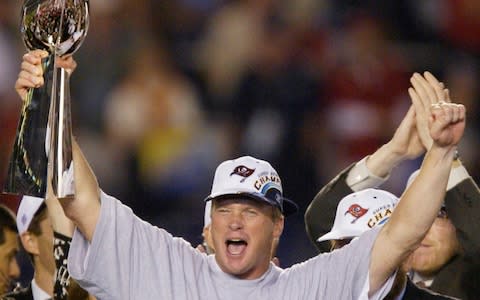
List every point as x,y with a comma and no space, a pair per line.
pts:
60,123
27,168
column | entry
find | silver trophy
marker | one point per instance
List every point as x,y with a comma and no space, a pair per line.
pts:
43,144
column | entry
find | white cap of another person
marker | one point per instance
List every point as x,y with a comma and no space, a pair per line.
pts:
359,212
26,211
248,177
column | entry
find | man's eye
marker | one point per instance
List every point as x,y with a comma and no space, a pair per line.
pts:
442,213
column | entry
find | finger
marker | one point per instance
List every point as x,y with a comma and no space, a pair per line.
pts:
446,93
34,69
27,80
416,80
439,120
455,112
437,86
428,88
448,113
417,103
435,107
30,78
458,113
40,53
35,56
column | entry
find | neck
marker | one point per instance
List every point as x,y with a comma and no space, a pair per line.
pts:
44,280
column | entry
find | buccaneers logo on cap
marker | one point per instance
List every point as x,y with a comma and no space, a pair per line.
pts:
242,171
356,211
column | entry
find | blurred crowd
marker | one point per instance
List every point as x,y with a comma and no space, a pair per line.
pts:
165,90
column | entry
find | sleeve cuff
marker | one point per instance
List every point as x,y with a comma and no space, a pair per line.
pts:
457,175
360,177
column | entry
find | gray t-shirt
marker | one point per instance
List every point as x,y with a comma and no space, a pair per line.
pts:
131,259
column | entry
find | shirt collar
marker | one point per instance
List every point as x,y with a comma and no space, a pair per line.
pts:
38,293
417,278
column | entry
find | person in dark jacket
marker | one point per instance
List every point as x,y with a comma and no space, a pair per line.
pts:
361,211
444,260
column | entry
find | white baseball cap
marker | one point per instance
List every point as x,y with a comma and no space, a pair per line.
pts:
360,212
29,205
249,177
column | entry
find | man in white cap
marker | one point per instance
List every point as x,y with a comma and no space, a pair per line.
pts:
36,236
444,258
9,269
361,211
207,244
45,234
357,213
116,255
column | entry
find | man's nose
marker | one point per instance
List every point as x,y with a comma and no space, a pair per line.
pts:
236,221
14,270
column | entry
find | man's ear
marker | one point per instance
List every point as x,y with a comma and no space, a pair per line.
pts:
29,242
278,227
207,237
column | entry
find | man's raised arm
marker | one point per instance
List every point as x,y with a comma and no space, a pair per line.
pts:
84,209
415,212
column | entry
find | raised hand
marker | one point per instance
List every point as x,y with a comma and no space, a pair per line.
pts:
406,140
447,123
426,91
31,72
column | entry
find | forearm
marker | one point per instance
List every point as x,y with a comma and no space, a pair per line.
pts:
60,222
382,161
84,208
374,170
413,216
422,200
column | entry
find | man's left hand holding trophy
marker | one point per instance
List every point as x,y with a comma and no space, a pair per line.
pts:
31,71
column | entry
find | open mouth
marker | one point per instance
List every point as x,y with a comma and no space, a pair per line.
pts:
236,246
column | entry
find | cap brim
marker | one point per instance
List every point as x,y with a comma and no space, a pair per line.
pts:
28,207
289,207
335,235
